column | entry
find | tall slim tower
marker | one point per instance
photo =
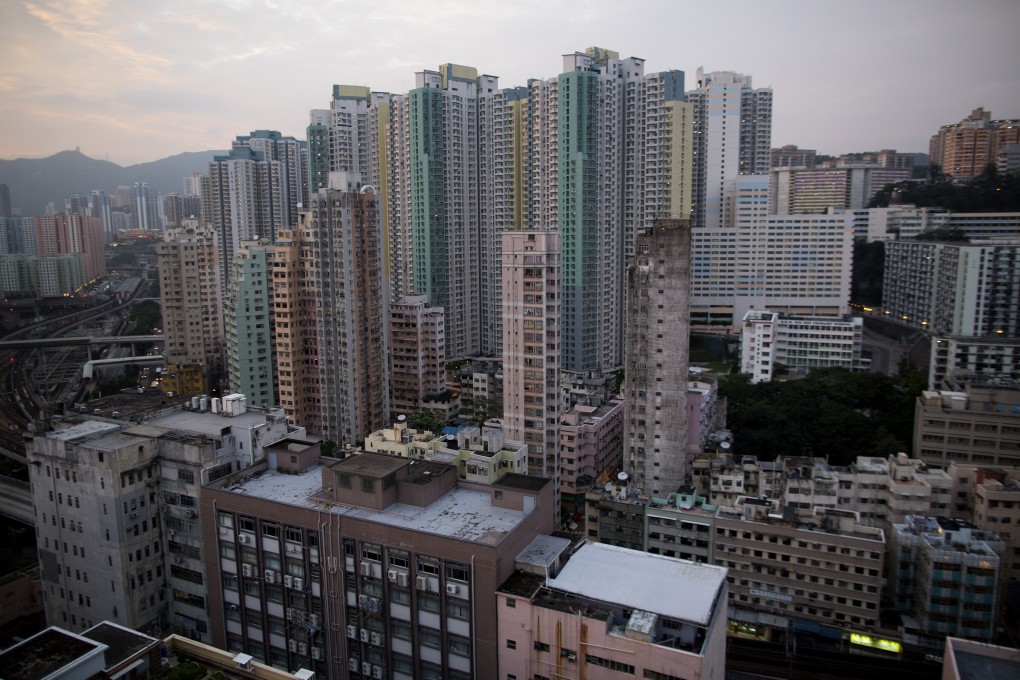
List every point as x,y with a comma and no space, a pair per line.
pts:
248,316
657,331
294,283
531,348
733,136
189,281
145,207
351,310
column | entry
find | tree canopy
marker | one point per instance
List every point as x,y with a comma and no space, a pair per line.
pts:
832,413
988,192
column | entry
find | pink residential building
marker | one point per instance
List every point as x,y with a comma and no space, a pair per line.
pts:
591,442
603,611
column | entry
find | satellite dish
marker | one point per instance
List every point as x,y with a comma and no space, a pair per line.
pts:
622,477
401,418
300,205
609,487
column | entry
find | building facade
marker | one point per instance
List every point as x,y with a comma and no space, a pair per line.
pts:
417,353
531,348
655,376
373,566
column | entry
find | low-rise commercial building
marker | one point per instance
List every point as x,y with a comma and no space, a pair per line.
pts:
609,611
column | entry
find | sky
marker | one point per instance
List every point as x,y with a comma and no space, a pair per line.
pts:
137,80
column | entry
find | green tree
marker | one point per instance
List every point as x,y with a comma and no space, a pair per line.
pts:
425,420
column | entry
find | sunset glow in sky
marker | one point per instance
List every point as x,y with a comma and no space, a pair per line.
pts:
137,80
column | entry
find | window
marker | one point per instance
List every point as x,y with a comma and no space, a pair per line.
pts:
511,644
511,602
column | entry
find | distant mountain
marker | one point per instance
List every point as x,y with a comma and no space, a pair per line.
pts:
34,182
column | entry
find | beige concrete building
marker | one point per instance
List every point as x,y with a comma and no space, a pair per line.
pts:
979,424
606,612
964,149
192,299
417,353
989,498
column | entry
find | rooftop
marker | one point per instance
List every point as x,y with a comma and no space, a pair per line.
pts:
123,642
679,589
46,653
462,513
82,429
206,422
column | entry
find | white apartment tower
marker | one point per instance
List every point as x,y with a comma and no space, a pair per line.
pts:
531,348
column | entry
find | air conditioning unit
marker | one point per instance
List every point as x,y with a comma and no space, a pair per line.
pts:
134,515
302,649
171,532
376,639
299,583
292,645
316,653
242,538
313,620
246,570
190,514
179,560
364,635
391,574
366,668
452,589
572,656
422,583
291,548
377,672
270,576
352,632
288,580
352,664
402,579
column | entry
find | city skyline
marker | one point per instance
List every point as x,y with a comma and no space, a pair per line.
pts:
130,84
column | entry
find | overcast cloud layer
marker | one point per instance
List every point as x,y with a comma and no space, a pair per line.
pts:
136,80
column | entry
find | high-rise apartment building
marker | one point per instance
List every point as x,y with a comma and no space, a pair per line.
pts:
6,209
803,191
292,158
970,289
145,208
66,234
99,206
249,324
180,207
350,308
966,148
189,276
242,199
733,136
293,304
459,160
192,184
417,353
531,348
657,352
